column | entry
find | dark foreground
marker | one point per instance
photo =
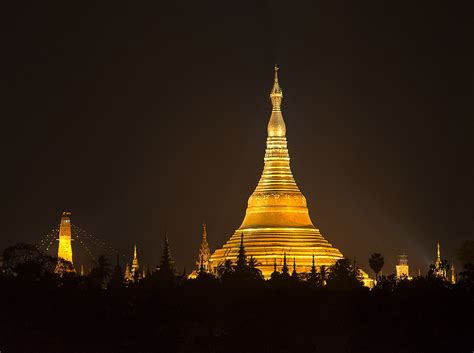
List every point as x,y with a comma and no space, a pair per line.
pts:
419,316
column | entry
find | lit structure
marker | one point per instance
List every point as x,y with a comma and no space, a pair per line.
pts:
440,270
132,274
402,267
277,220
135,266
127,275
453,273
65,238
204,254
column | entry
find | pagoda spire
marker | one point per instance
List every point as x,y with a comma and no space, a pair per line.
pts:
204,251
276,126
135,264
276,93
439,253
127,275
453,273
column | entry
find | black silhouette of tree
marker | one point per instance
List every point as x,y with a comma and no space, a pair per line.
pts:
275,274
26,262
241,264
376,263
466,276
203,275
466,253
225,270
166,269
344,275
101,273
386,283
254,272
313,275
117,275
323,275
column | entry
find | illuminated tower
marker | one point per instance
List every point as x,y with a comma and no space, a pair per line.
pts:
453,273
135,266
277,220
65,248
440,271
127,275
204,252
402,267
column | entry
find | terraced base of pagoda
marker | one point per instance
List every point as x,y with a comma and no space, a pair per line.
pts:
268,245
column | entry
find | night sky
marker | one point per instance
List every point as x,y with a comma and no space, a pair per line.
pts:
146,120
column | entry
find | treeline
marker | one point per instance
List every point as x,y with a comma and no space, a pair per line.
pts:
325,310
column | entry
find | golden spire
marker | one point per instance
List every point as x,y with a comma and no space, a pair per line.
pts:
204,252
135,265
453,272
438,258
127,275
276,94
276,125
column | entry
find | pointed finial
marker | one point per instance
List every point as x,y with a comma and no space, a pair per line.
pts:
438,259
276,94
135,251
204,231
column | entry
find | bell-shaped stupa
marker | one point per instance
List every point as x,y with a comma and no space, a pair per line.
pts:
277,220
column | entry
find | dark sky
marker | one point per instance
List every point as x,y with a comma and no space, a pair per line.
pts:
146,119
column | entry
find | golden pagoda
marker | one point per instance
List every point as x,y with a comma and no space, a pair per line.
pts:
65,247
277,220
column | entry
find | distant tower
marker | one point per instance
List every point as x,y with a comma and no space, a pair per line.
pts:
453,273
402,267
438,258
135,266
127,275
65,248
440,271
204,252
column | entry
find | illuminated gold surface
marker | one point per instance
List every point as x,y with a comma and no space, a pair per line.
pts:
204,255
277,218
65,248
135,265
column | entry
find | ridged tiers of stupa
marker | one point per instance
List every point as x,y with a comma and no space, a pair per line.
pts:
277,220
